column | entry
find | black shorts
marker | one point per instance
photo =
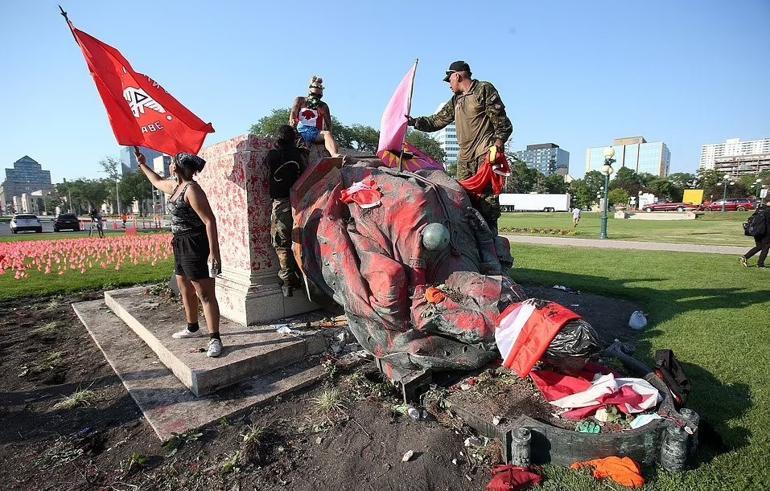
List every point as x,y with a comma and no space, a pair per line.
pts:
191,254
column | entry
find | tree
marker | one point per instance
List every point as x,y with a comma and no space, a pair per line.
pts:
581,194
618,196
555,184
711,182
134,187
682,180
451,169
664,189
628,180
362,138
645,179
112,167
427,144
522,179
267,126
594,180
87,194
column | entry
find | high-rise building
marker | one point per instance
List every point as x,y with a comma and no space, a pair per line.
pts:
737,157
161,164
547,158
26,177
636,153
447,139
128,159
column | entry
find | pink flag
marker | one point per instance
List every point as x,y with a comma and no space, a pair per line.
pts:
393,123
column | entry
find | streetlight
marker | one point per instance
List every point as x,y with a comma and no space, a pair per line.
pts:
609,153
725,181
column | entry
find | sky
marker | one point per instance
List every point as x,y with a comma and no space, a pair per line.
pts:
574,73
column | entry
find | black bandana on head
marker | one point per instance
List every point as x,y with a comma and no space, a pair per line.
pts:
189,161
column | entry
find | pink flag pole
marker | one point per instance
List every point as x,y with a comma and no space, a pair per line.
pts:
408,112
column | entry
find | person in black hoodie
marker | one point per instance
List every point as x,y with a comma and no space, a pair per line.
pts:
760,221
286,163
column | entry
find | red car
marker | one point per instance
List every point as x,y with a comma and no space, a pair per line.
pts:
669,206
731,204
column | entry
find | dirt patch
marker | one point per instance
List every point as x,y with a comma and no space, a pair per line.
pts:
46,354
609,316
497,392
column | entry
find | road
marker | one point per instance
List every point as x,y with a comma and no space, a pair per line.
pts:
625,244
146,223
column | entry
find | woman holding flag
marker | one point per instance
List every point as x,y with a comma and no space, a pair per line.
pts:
195,244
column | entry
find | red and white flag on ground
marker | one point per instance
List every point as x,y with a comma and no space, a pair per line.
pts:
524,332
393,123
140,111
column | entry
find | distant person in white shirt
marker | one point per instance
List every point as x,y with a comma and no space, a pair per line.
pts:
575,217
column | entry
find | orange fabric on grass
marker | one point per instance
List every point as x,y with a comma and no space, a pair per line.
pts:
622,470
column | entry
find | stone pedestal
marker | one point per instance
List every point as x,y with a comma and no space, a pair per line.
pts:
235,180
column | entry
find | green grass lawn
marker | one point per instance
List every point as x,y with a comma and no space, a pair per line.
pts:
713,228
72,281
715,315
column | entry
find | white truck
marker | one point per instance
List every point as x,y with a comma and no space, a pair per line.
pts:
535,202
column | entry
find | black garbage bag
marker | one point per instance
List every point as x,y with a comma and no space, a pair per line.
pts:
577,339
571,348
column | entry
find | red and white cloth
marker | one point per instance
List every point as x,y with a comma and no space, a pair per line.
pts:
364,193
524,332
583,397
490,173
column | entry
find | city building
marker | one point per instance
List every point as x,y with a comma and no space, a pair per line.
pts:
736,157
26,176
447,139
128,159
161,164
636,153
547,158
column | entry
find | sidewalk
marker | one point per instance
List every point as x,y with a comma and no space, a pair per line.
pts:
625,244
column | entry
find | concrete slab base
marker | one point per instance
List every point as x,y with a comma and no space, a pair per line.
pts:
248,351
166,403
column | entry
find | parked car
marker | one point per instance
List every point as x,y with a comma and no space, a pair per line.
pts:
731,204
66,221
669,206
25,222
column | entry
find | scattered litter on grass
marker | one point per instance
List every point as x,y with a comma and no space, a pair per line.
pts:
565,289
637,321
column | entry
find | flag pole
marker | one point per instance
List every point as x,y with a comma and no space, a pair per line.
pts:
69,24
408,113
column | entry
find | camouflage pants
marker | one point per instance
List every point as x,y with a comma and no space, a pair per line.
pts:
281,225
488,205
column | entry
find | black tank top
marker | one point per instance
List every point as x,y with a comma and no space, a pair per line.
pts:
183,217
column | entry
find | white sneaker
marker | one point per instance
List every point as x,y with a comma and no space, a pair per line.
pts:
186,333
215,348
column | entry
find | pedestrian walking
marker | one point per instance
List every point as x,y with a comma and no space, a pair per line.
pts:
575,217
758,226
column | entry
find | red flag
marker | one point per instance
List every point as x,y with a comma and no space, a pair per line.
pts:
141,112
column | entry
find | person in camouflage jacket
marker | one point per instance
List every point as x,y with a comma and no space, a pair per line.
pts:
480,119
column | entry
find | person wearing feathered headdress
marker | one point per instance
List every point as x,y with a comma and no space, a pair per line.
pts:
312,118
